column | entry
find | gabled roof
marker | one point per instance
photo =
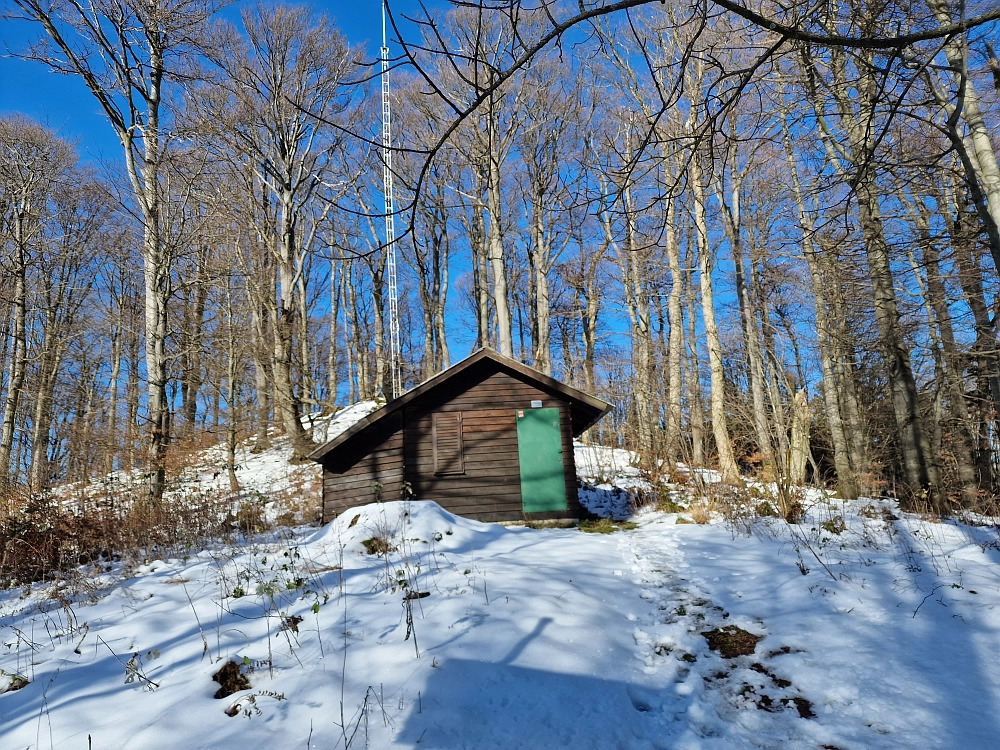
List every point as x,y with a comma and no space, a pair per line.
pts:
586,409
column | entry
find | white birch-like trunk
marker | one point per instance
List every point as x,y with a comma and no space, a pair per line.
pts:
717,400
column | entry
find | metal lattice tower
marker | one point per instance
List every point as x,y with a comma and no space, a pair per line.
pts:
390,229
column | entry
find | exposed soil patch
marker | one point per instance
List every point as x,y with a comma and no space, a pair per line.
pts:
732,641
231,680
761,669
805,708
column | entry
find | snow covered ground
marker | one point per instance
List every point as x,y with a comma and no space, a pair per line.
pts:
266,475
877,630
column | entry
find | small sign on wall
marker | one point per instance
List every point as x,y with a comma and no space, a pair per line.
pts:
536,404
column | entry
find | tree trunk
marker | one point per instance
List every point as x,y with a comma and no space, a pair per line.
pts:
113,378
18,362
480,274
981,156
799,443
675,340
847,485
720,428
48,372
919,466
970,278
308,389
755,364
696,407
258,319
541,356
331,362
192,342
283,326
964,449
495,253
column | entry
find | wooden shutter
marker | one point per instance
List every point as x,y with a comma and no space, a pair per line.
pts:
448,455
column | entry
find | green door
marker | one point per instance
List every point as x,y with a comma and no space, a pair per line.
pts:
540,454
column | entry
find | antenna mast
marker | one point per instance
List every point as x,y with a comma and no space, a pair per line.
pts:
390,229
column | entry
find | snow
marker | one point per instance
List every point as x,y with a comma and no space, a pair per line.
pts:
266,475
527,638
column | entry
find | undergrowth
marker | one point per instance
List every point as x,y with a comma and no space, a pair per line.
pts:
605,526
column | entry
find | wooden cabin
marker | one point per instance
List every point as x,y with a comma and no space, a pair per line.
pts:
488,438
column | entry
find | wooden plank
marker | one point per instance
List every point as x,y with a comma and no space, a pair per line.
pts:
347,480
429,493
481,422
500,395
364,488
394,459
484,450
483,477
462,506
481,467
485,487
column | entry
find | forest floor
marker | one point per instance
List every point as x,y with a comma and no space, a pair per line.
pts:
400,625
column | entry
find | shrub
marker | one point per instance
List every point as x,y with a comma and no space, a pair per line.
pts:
378,545
43,534
834,525
766,510
701,512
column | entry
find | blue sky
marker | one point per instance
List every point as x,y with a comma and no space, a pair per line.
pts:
63,103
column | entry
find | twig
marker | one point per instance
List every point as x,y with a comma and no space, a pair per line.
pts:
933,591
138,674
204,640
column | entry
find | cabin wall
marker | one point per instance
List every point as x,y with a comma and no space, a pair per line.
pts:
402,450
350,480
490,487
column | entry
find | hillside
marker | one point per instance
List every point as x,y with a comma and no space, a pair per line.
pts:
400,625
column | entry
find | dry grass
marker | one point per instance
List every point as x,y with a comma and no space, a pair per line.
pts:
42,535
701,511
605,526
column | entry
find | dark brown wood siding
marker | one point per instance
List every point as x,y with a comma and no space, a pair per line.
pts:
489,486
374,462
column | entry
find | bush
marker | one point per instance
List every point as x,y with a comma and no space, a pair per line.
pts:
378,545
45,534
834,525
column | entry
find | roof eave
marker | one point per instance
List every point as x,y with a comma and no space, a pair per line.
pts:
599,406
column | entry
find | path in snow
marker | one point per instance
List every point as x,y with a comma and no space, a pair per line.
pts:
898,652
710,702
